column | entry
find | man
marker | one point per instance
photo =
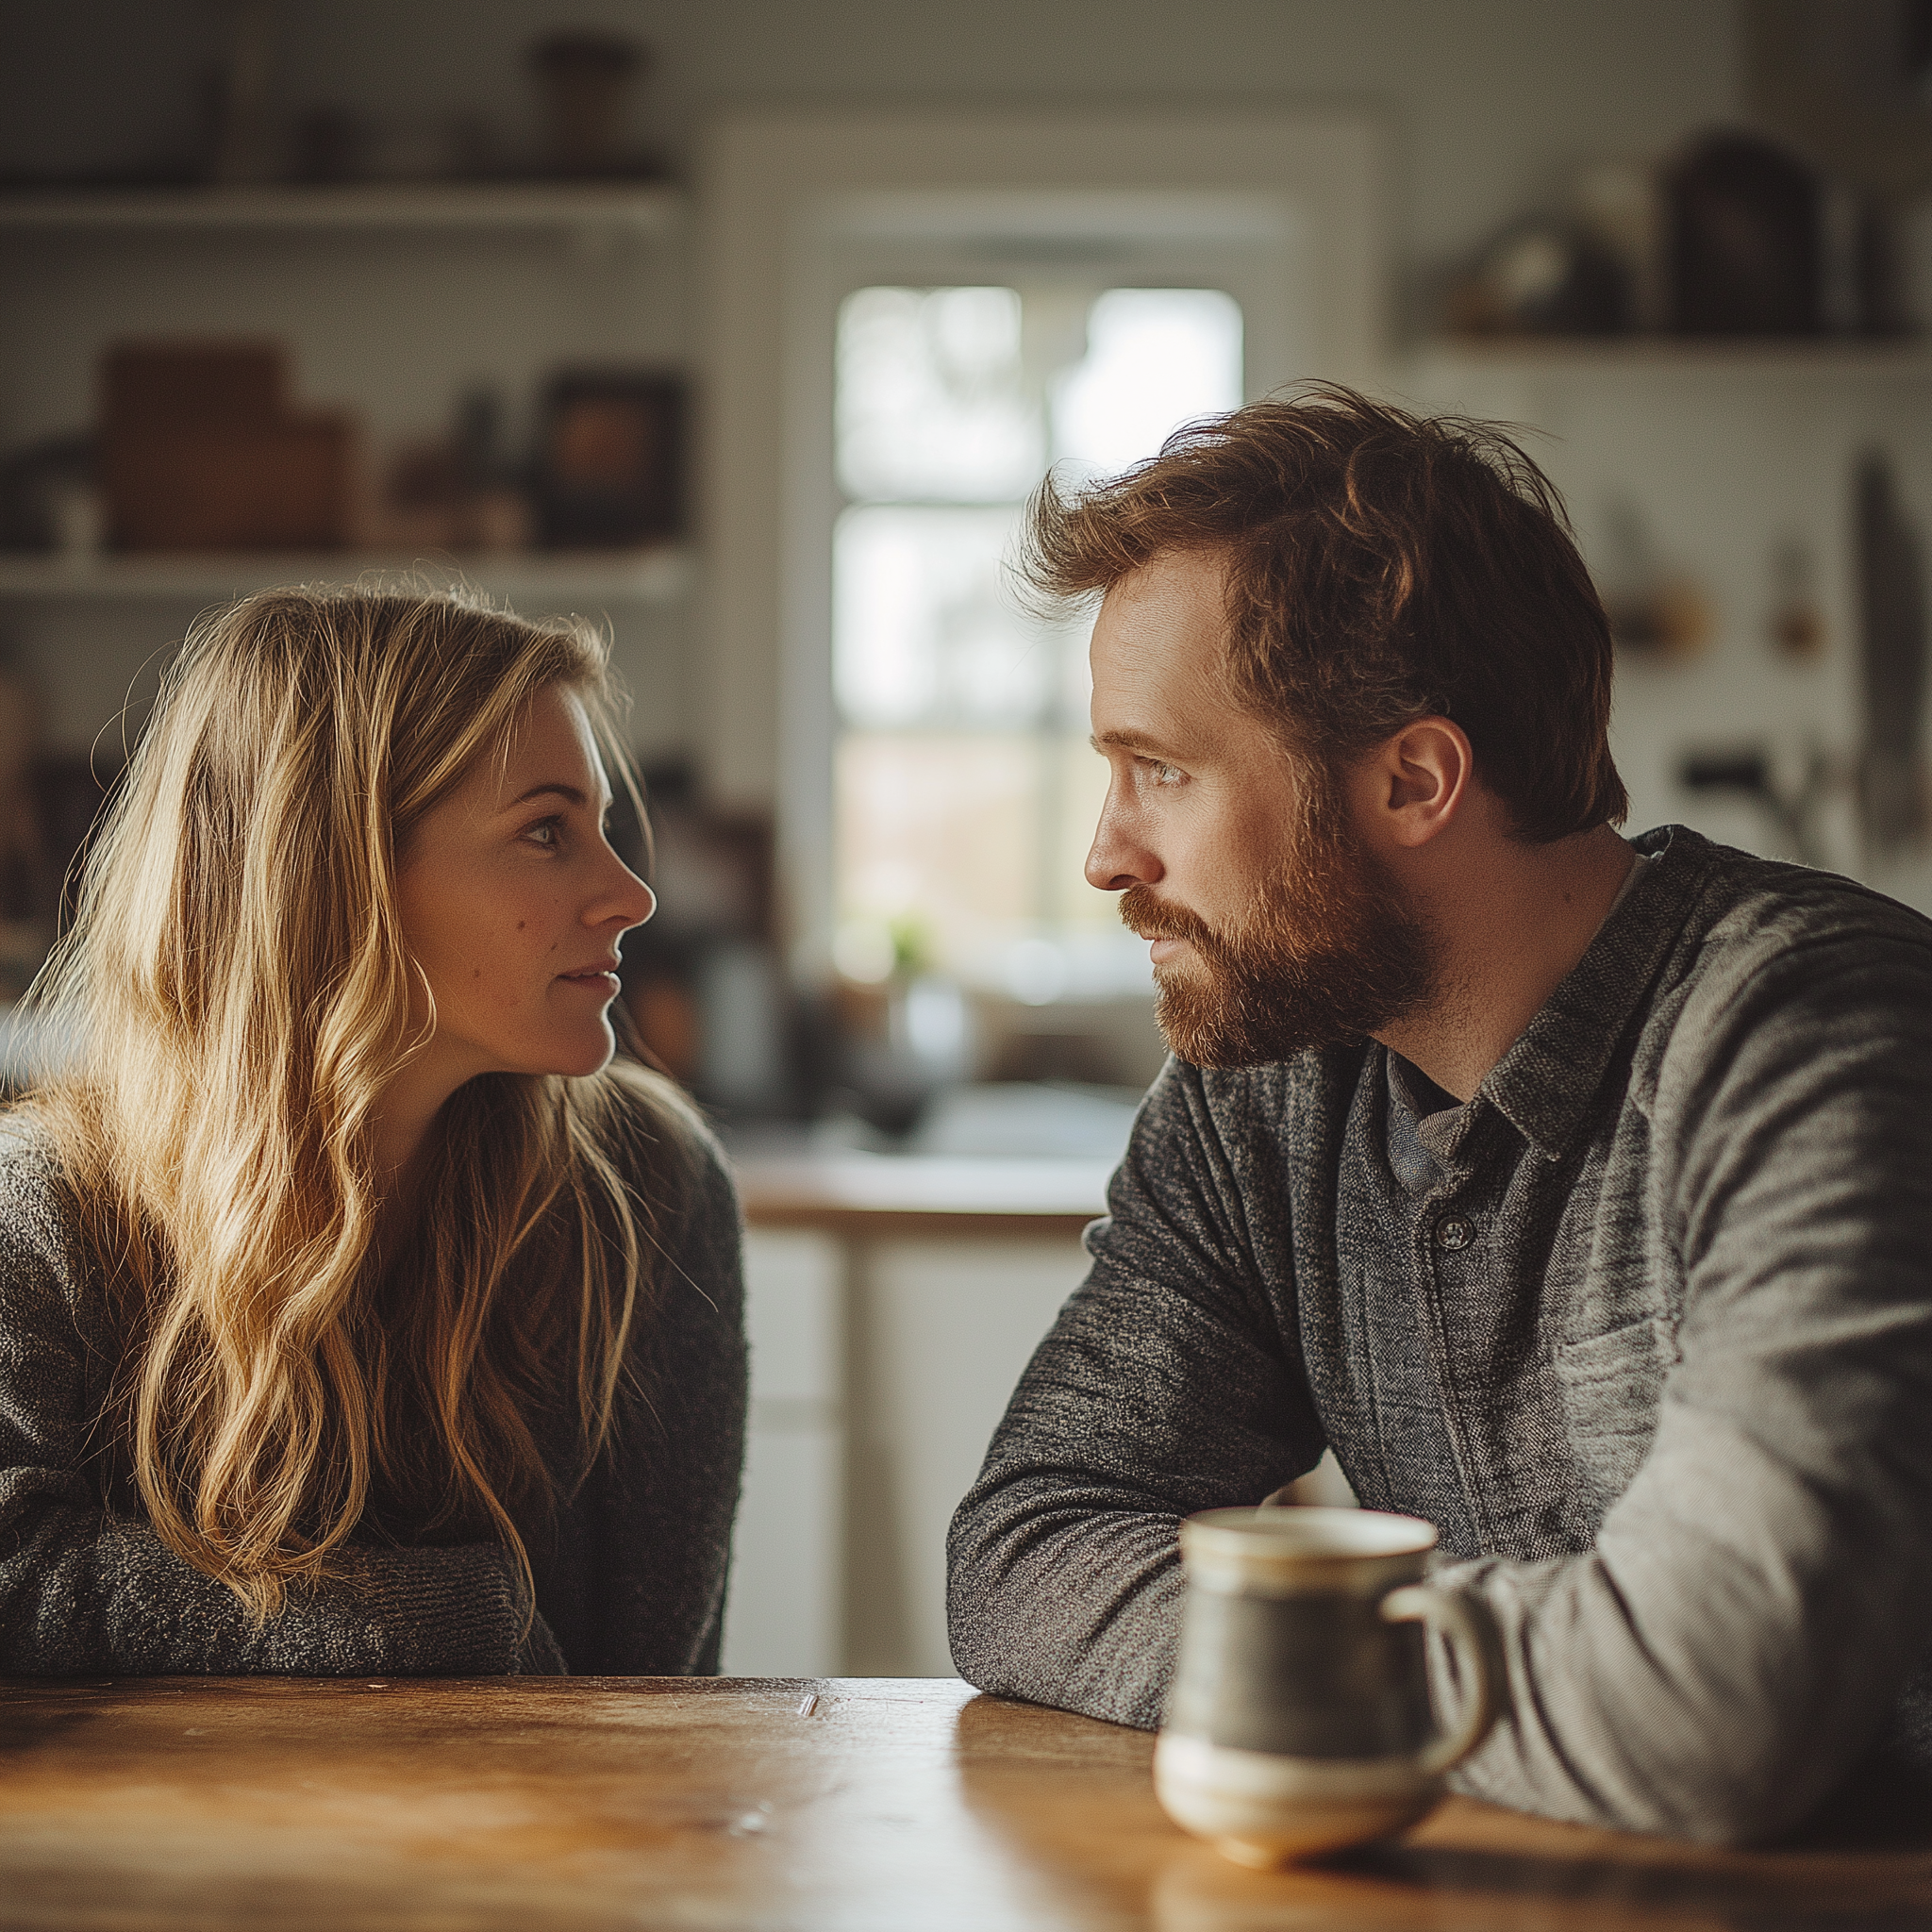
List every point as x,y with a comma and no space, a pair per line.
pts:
1577,1193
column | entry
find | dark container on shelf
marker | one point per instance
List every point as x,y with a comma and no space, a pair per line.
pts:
587,80
150,388
1746,240
288,485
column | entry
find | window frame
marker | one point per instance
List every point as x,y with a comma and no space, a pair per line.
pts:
1282,210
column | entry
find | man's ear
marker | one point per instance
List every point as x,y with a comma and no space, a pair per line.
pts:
1413,785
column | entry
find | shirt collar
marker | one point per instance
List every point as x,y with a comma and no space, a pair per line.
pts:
1544,1084
1416,1105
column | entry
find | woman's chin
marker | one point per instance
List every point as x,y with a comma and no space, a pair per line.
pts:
572,1059
593,1058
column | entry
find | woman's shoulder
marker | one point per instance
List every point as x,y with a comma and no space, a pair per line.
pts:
32,1187
671,1159
38,1231
655,1135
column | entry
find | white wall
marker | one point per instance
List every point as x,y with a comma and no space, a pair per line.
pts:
1725,464
396,325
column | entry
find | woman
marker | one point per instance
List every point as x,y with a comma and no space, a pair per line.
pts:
356,1313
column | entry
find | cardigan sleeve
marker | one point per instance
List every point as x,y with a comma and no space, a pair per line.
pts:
84,1589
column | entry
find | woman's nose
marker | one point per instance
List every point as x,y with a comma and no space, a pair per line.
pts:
627,900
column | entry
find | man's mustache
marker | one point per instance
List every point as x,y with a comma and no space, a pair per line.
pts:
1142,912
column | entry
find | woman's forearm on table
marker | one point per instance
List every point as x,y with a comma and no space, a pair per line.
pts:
83,1590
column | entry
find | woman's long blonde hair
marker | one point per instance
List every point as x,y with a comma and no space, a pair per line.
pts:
238,979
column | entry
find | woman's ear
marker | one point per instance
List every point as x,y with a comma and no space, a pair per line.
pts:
1414,783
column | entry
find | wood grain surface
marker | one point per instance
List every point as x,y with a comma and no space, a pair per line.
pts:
910,1196
866,1805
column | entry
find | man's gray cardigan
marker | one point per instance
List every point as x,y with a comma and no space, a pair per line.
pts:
629,1570
1645,1328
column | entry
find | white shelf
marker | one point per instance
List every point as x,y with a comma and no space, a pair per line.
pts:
554,578
634,207
1908,359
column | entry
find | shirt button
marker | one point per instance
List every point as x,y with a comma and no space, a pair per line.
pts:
1453,1233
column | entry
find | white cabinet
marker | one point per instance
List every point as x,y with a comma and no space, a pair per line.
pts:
879,1371
785,1617
945,1329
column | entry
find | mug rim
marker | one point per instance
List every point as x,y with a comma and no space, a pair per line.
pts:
1308,1533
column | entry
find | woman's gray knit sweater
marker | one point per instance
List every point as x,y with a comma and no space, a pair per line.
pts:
629,1569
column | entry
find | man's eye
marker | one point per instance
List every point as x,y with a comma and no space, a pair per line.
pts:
1163,774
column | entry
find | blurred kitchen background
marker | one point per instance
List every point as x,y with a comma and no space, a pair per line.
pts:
745,330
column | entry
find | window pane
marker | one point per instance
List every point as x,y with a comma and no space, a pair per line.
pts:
923,631
941,830
932,402
1156,358
966,793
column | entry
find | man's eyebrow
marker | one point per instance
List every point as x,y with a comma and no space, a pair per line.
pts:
1131,740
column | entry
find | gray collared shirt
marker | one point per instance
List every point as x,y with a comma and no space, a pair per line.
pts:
1646,1328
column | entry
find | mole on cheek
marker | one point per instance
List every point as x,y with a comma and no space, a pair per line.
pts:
520,925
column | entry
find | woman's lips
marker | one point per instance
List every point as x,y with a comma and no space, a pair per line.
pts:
606,983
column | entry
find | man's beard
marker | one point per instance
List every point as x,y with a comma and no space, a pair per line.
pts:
1330,951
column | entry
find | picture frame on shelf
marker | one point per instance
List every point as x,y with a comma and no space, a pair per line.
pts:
609,464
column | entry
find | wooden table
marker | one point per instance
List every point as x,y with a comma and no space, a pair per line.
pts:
848,1805
861,1196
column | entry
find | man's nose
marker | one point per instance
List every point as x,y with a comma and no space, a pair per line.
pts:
1117,858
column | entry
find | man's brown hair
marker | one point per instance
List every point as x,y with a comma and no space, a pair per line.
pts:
1380,567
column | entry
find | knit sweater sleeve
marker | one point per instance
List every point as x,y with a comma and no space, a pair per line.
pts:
84,1589
1737,1638
1167,1385
657,1513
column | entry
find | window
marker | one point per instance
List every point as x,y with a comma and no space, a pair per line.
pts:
965,789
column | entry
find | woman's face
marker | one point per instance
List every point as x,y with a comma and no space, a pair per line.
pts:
512,904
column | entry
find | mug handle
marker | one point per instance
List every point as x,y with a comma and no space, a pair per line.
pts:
1462,1626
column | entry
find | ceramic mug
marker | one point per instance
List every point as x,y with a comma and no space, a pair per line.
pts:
1300,1720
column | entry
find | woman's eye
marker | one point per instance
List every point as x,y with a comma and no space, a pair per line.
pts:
545,832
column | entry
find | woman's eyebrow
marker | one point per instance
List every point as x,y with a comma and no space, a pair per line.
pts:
573,792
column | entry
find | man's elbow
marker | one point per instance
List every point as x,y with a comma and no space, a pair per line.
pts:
1719,1800
972,1618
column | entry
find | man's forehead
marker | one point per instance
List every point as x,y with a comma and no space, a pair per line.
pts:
1157,642
1173,578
